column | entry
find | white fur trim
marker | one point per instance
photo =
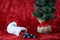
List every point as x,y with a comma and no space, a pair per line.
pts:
46,29
12,28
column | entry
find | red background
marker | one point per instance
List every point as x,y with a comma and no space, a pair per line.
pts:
21,12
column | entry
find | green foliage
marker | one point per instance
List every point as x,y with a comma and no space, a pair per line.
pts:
41,2
45,9
53,1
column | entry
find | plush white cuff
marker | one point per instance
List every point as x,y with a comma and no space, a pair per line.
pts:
12,28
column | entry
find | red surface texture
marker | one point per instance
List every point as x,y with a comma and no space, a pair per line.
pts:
21,12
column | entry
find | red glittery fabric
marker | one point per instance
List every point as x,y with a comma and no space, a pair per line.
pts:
21,12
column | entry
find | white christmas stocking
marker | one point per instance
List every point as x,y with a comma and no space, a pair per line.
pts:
12,28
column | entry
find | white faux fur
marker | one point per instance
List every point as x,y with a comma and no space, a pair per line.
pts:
46,29
12,28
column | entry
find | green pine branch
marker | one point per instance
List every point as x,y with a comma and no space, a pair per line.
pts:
45,9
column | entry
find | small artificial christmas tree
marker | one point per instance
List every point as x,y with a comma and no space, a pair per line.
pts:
44,11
